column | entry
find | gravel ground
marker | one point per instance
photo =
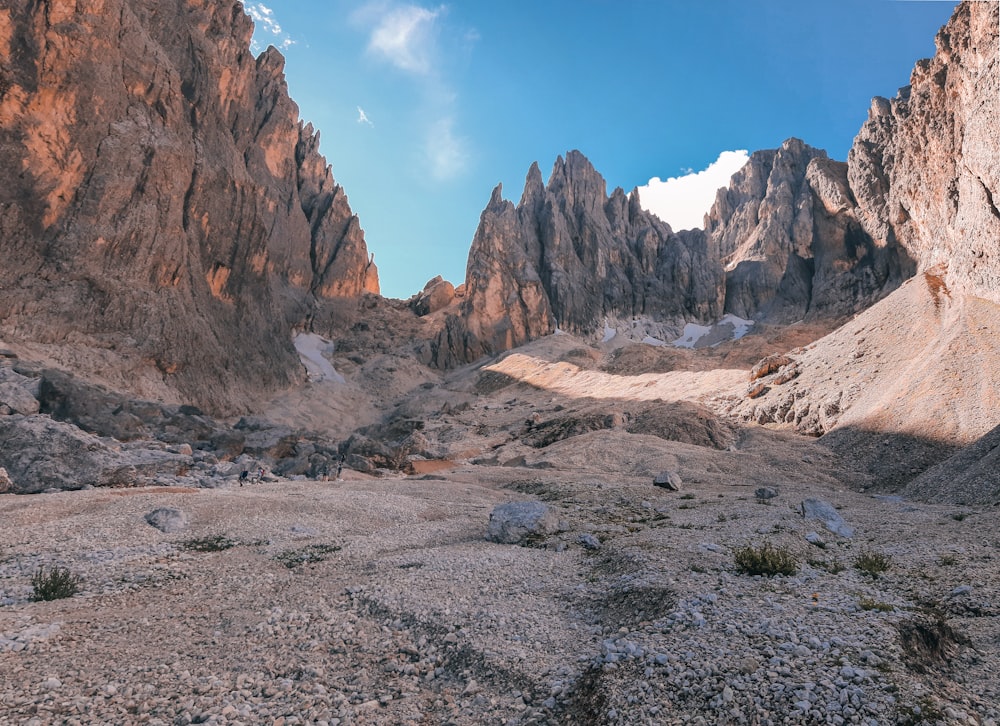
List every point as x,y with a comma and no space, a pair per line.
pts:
378,601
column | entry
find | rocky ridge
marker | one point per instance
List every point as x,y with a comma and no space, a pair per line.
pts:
170,190
796,235
569,256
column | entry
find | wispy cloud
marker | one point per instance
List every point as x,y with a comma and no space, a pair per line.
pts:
363,117
267,25
682,201
419,42
446,153
406,37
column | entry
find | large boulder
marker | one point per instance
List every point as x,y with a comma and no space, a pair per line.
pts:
827,515
39,454
521,523
167,519
15,398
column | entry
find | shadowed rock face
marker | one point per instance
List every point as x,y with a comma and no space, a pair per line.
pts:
567,256
162,192
924,167
787,232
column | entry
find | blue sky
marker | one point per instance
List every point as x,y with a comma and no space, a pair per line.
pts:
423,108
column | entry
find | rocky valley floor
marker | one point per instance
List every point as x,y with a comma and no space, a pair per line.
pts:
379,600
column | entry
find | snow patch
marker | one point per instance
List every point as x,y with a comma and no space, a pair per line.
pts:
311,348
730,327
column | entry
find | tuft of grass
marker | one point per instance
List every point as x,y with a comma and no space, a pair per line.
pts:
212,543
947,560
686,496
959,516
872,563
56,584
766,560
308,555
833,565
867,603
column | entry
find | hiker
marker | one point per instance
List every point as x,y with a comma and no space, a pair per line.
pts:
244,476
340,467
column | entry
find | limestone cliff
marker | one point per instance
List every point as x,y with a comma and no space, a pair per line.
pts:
568,256
160,195
925,168
787,232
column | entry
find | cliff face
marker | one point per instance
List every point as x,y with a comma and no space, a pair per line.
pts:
924,168
569,256
787,231
162,195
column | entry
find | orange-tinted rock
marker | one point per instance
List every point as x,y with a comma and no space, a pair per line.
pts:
160,192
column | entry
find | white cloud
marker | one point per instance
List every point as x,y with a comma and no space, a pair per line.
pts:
683,201
266,24
421,43
446,153
405,36
363,117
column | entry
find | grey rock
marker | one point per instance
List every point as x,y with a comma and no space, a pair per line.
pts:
6,485
813,538
668,480
519,522
828,516
765,493
40,454
167,519
589,541
16,399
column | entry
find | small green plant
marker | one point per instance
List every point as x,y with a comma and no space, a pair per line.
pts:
867,603
308,555
959,516
212,543
872,563
55,584
947,560
766,560
833,565
686,496
697,568
924,712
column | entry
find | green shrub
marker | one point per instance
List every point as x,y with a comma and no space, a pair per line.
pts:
765,560
55,584
867,603
833,565
212,543
872,563
308,555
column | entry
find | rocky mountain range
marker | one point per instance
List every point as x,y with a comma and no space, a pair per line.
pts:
271,495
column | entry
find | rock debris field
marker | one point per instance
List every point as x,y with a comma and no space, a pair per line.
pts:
380,601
